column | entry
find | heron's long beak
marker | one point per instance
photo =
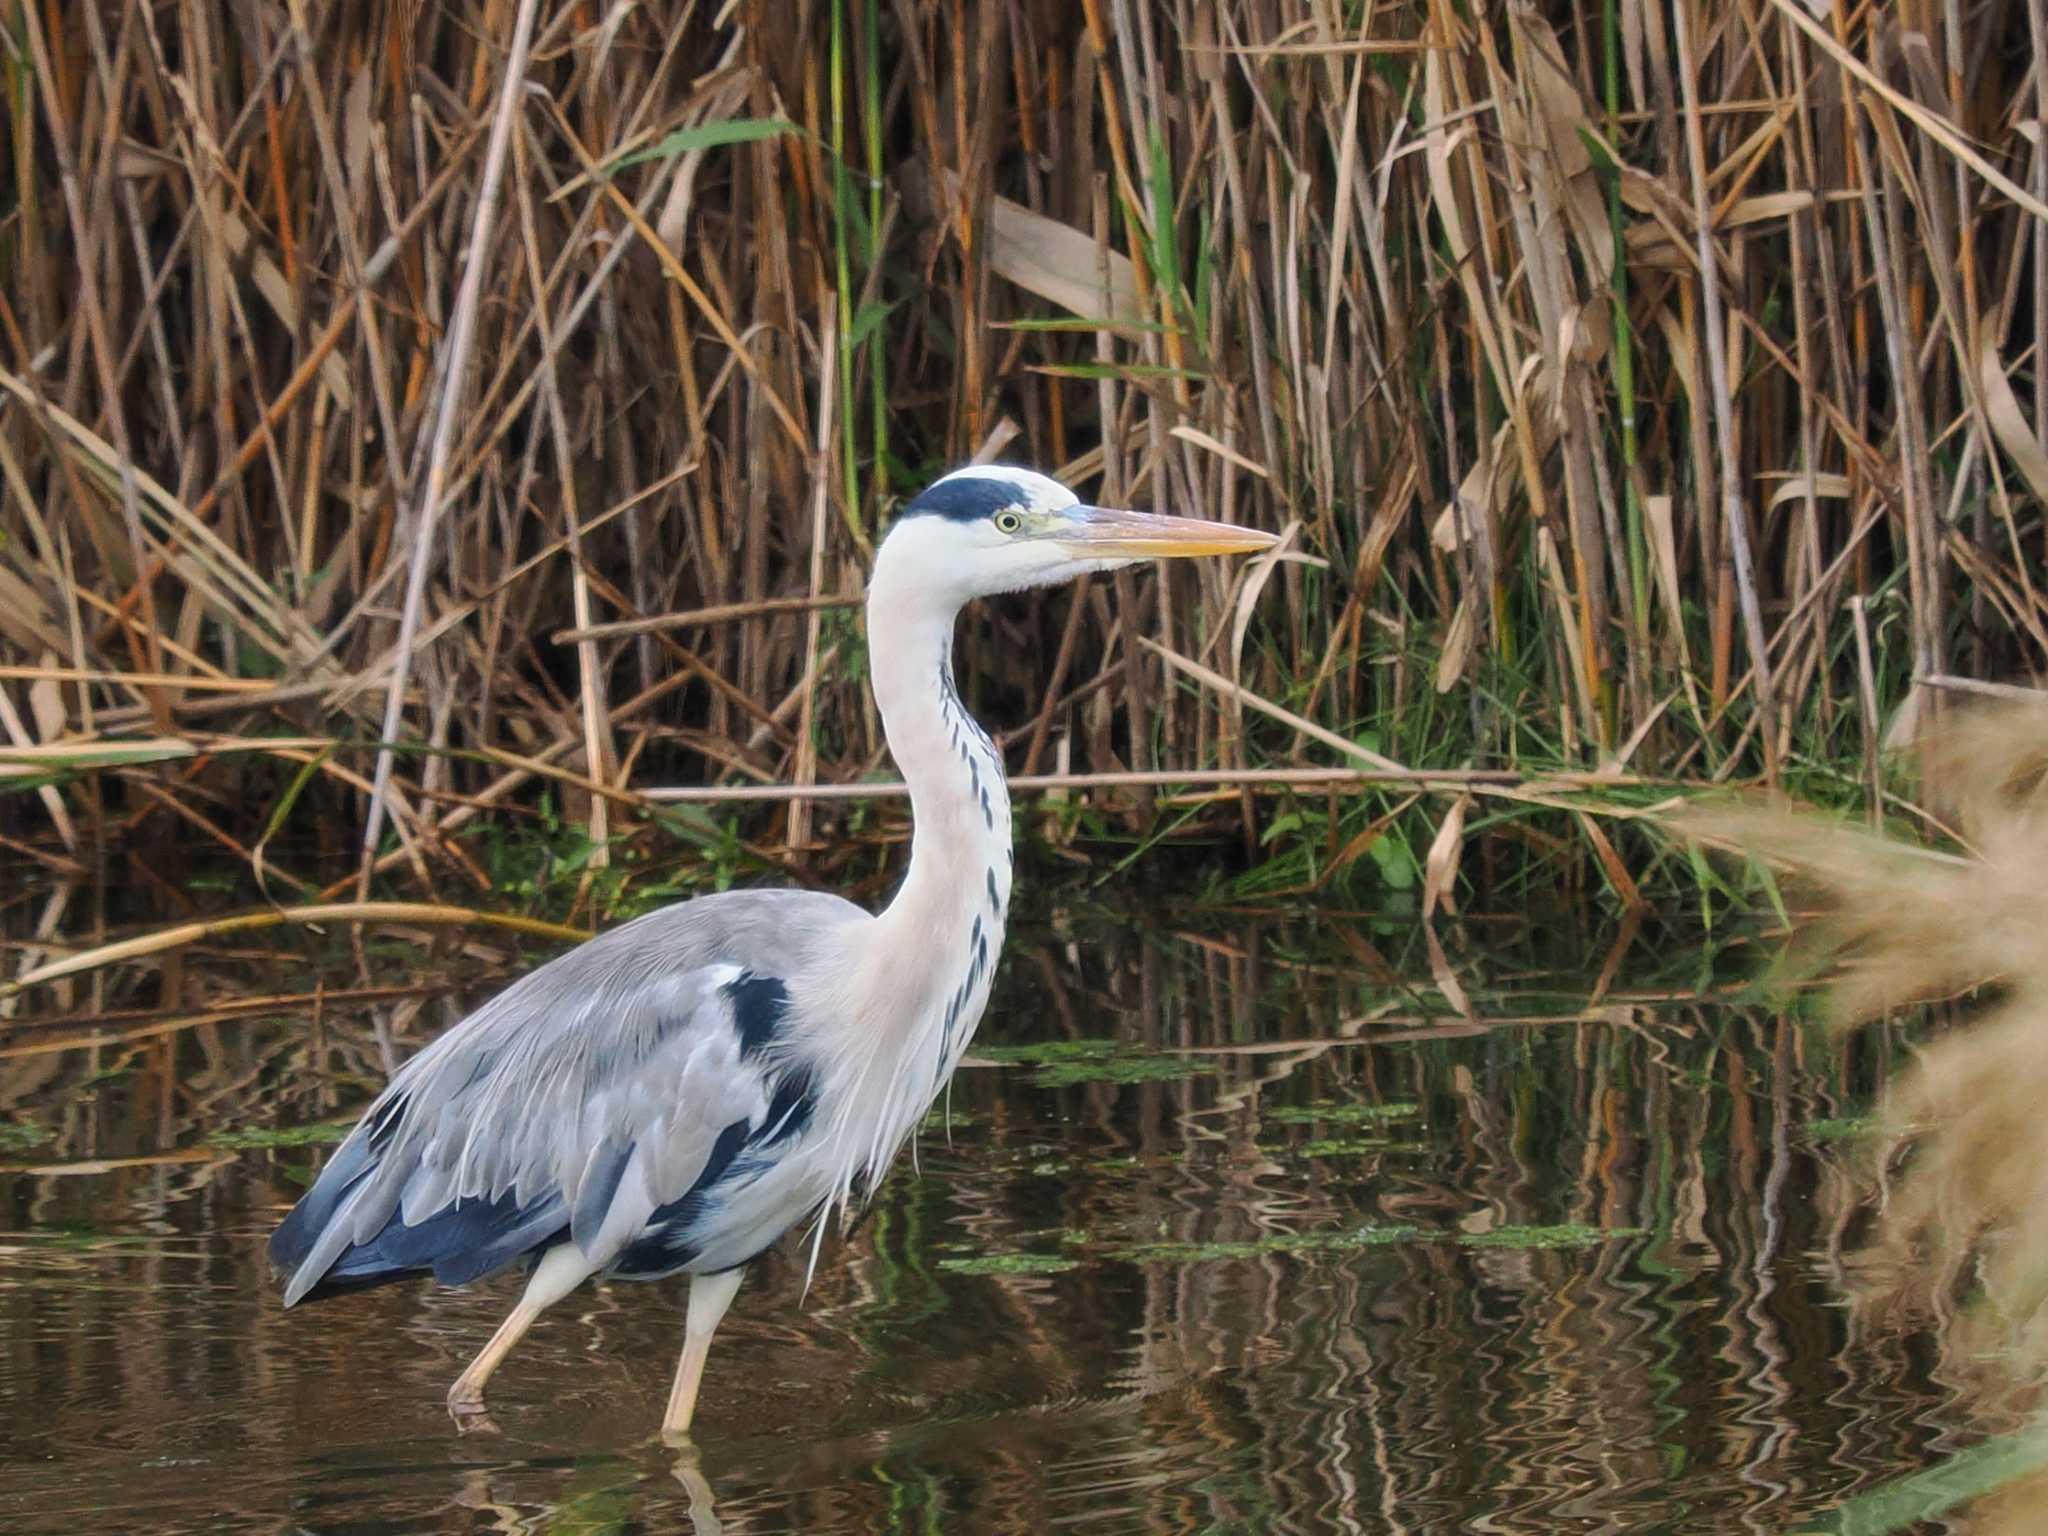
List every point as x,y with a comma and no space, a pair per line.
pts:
1111,534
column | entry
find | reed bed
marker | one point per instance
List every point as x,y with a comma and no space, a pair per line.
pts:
422,407
1952,1174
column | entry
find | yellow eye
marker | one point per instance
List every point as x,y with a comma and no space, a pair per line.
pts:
1008,522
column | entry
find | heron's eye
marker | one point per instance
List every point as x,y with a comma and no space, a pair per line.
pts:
1008,522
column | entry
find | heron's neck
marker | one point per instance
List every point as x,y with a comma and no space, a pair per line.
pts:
960,853
909,990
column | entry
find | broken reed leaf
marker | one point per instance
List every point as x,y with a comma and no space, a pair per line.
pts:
1056,261
2002,407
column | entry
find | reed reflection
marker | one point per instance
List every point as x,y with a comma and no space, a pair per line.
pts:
1227,1231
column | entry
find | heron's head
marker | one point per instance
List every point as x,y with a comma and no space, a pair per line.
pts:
993,528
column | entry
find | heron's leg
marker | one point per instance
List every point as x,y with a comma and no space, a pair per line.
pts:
710,1295
560,1270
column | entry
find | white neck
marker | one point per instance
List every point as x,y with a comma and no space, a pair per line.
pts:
958,884
909,989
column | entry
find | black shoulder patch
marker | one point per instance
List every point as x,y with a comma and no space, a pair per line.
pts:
968,498
759,1006
790,1111
723,1151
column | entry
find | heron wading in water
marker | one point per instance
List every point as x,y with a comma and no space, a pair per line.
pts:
673,1095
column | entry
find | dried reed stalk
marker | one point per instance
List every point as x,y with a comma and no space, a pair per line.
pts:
1599,354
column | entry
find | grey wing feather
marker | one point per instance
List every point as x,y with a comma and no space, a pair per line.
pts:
598,1084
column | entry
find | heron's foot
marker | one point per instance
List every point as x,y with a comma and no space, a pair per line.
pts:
466,1408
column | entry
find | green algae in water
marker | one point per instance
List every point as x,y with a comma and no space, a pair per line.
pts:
1337,1146
1564,1235
21,1135
1278,1242
1044,1051
1121,1164
1010,1264
237,1138
1340,1113
1118,1069
1067,1063
1847,1128
1070,1236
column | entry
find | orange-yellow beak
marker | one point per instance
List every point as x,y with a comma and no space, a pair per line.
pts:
1107,533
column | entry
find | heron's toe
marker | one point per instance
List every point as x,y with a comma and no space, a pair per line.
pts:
466,1408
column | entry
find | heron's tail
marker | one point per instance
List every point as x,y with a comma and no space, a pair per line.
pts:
348,1232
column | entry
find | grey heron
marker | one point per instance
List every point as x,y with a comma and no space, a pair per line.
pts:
674,1094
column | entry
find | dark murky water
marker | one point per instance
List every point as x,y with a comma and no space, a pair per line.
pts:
1305,1256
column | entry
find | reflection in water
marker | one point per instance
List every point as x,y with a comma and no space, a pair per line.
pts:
1572,1270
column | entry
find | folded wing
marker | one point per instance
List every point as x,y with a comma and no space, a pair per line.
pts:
581,1105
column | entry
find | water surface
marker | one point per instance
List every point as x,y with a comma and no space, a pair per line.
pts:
1231,1231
